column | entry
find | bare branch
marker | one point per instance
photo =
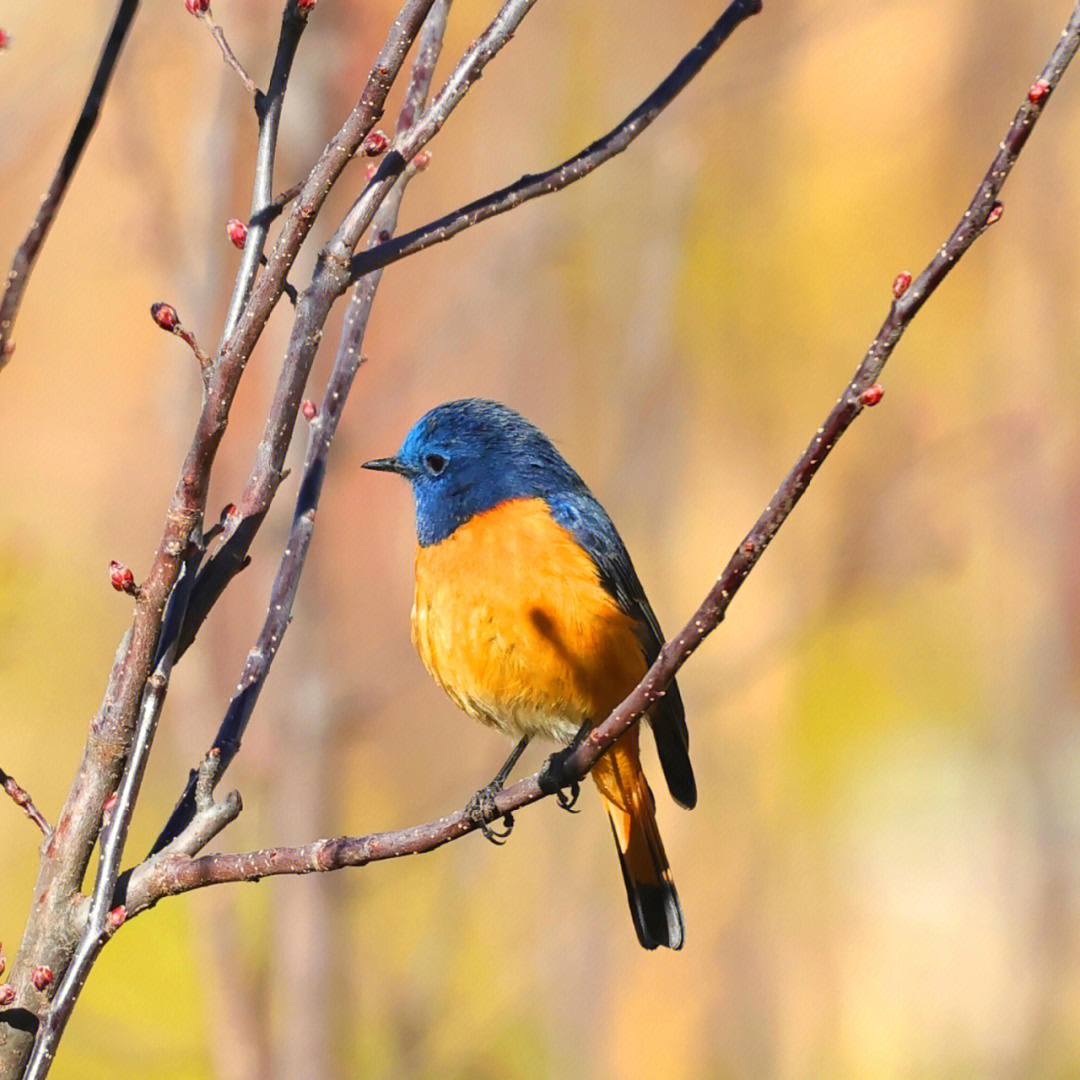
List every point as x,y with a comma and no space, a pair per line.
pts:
331,280
26,256
268,286
410,141
20,798
51,931
226,51
268,107
176,874
102,919
323,427
571,170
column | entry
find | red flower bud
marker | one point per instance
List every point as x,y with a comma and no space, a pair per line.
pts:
165,316
123,580
421,161
197,7
995,213
370,171
7,994
305,5
41,977
871,395
1040,88
5,39
309,409
375,142
117,916
237,232
900,284
107,809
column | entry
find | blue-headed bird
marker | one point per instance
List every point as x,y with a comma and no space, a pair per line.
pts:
530,615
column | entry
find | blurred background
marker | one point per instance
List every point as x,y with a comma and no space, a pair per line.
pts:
882,877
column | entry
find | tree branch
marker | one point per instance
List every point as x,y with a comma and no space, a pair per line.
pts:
176,874
52,928
230,58
574,168
324,425
20,798
268,107
102,919
26,256
331,280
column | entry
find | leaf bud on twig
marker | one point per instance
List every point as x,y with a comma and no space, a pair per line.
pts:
123,580
237,232
375,142
165,316
1040,88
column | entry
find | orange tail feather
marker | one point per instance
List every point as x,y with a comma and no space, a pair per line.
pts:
654,903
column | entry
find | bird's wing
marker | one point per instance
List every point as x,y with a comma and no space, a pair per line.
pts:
580,513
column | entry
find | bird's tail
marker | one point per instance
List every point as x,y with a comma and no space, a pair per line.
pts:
654,903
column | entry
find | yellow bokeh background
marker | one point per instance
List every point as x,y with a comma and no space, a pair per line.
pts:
881,879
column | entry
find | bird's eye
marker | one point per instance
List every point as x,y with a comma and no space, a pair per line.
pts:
435,463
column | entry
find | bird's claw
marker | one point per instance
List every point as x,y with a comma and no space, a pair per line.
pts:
567,797
553,780
482,811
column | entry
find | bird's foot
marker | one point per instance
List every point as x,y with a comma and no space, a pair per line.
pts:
554,781
481,810
567,797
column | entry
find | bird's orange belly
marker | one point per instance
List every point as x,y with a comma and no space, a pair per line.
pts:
511,619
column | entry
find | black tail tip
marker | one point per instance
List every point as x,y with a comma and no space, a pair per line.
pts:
657,915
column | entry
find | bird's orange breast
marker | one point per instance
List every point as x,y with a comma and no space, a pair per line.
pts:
511,618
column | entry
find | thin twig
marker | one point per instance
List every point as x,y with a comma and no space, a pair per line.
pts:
226,51
410,141
323,427
26,256
176,874
268,107
20,797
571,170
268,286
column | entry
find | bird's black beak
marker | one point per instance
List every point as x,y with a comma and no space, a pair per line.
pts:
389,464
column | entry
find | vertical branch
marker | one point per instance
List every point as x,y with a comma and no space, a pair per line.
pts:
268,107
103,919
27,254
323,428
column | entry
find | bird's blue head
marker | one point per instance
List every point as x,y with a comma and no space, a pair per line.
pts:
465,457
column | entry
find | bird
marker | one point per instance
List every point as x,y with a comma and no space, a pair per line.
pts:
529,614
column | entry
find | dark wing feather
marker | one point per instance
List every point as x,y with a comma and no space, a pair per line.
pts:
580,513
